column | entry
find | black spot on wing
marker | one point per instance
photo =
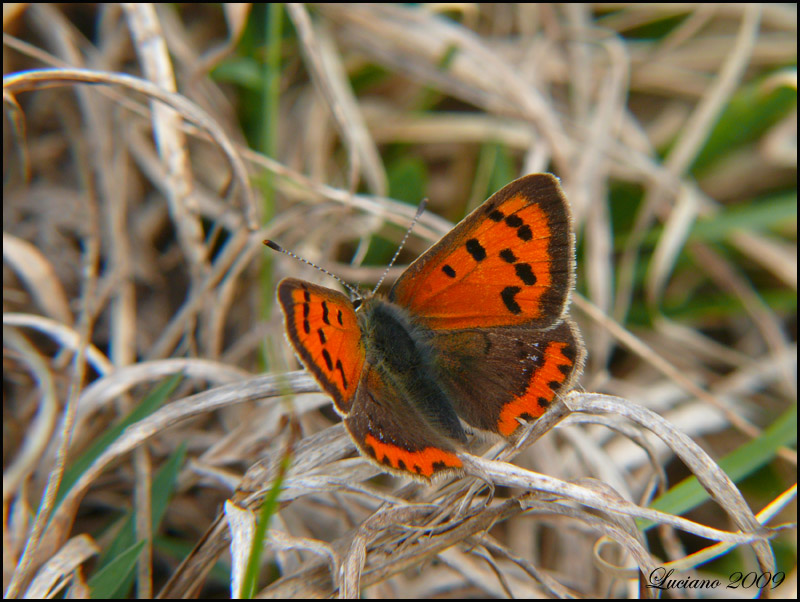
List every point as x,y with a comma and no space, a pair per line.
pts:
340,368
508,256
525,273
327,357
507,295
475,249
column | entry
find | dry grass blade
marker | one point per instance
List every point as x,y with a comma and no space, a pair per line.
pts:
330,77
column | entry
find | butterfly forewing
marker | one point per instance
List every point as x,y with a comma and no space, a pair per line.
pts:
509,262
322,326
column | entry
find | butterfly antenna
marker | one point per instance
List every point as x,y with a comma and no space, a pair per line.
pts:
276,247
420,209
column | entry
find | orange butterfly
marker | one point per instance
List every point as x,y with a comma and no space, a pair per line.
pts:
474,331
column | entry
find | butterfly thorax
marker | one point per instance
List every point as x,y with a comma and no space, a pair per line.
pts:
399,350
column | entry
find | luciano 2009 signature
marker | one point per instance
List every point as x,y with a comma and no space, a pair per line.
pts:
662,578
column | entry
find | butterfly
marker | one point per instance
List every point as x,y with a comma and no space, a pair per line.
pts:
473,335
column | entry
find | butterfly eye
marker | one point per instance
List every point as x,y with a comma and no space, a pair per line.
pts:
357,303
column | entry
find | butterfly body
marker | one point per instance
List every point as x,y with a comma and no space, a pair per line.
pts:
473,333
401,354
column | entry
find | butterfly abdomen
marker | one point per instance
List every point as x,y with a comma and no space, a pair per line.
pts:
400,352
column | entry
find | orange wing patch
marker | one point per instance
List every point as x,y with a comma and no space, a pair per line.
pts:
322,326
424,463
509,262
541,391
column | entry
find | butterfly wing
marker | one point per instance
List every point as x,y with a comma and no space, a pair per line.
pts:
389,430
510,262
497,376
492,295
322,326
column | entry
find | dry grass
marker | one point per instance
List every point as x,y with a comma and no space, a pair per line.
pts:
133,215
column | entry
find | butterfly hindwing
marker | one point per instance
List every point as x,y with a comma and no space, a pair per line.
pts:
509,262
322,326
388,430
497,376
